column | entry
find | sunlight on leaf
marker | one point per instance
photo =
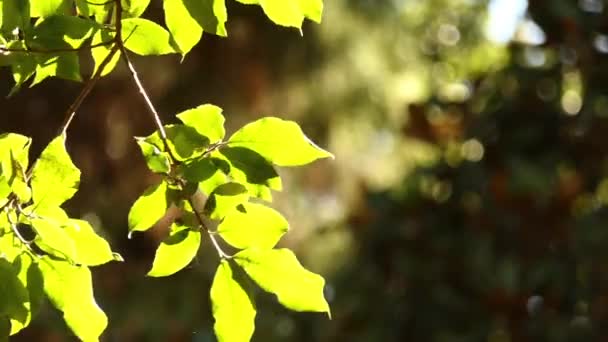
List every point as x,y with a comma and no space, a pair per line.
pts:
176,251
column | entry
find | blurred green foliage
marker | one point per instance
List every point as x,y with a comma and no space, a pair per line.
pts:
467,201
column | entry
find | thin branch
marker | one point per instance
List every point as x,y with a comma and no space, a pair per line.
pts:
5,50
201,222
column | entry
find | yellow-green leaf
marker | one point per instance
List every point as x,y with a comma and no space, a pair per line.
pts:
290,13
176,251
224,199
207,120
70,289
92,249
54,239
145,37
278,271
280,141
55,178
232,306
253,225
149,208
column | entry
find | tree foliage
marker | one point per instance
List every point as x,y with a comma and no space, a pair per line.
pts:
221,186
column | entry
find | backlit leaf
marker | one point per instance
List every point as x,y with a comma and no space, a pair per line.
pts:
253,225
54,239
70,289
13,295
55,178
92,249
176,251
46,8
149,208
156,160
232,306
185,142
100,53
31,278
134,8
224,199
145,37
207,172
207,120
253,170
278,271
290,13
279,141
13,148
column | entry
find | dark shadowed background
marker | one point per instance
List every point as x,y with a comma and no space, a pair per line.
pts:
467,201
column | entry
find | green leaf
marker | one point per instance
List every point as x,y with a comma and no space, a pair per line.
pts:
185,142
176,251
290,13
100,53
91,249
47,8
145,37
14,150
20,188
70,289
134,8
224,199
253,225
63,65
206,172
251,169
31,278
278,271
5,190
23,66
62,32
13,295
232,305
14,14
101,10
207,120
156,160
188,19
149,208
279,141
55,178
54,239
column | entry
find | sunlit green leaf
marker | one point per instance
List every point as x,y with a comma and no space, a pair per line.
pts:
100,53
185,142
46,8
63,65
156,160
134,8
13,148
54,239
101,10
281,142
31,278
207,120
188,19
14,14
70,289
149,208
55,178
23,66
145,37
232,306
206,172
20,187
253,170
278,271
176,251
13,295
290,13
92,249
62,32
224,199
253,225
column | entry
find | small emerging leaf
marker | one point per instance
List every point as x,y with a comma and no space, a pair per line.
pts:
279,141
278,271
232,306
157,160
176,251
